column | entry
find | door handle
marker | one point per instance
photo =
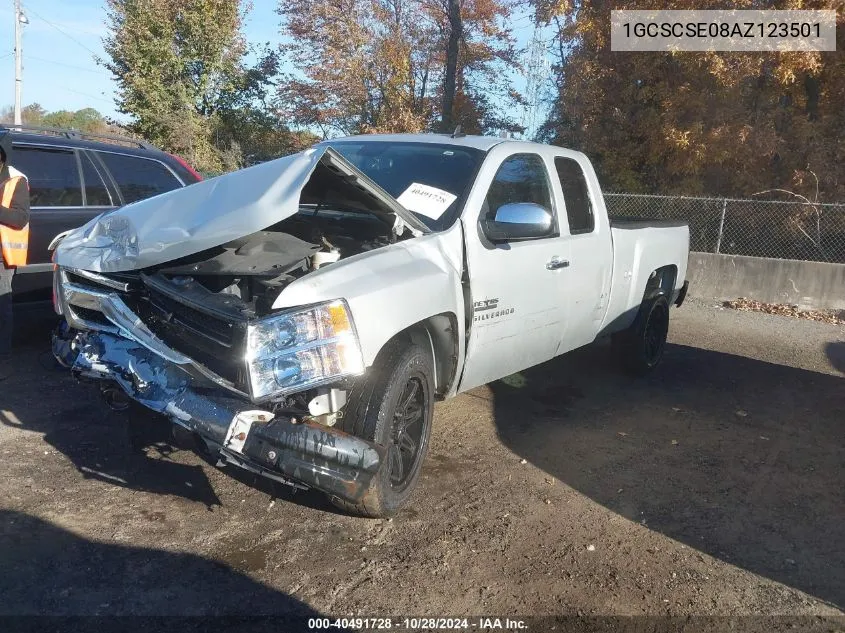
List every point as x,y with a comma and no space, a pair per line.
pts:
555,263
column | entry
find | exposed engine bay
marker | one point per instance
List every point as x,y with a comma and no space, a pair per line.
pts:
244,277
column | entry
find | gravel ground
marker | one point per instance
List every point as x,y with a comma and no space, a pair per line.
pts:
713,487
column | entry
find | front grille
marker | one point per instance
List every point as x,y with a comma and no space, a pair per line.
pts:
217,343
186,332
218,330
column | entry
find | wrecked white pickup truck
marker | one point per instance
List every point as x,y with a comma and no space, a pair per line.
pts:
300,317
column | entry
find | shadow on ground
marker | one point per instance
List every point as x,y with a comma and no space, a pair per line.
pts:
738,458
835,352
50,571
40,396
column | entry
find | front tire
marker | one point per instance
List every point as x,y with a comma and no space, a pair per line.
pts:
640,348
393,407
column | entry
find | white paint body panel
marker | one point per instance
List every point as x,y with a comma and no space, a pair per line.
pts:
588,279
391,288
637,252
530,302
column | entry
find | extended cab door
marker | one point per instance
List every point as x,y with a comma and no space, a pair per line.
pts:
519,313
587,283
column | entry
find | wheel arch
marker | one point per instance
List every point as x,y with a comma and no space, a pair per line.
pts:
439,335
661,281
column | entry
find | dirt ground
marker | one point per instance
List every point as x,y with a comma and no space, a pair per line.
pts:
713,487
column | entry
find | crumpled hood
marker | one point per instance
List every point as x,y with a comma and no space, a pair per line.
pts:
207,214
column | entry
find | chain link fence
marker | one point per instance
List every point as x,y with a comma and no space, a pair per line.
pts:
760,228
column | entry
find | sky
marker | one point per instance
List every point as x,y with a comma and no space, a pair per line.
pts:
64,37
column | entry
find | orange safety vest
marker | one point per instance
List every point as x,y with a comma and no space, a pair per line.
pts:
13,242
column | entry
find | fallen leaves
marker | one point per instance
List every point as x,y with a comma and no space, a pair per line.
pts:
743,304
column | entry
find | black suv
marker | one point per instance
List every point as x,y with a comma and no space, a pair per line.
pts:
74,177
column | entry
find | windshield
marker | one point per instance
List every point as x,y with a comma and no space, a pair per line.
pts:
429,179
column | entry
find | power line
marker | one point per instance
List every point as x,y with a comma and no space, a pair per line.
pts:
50,61
63,32
85,94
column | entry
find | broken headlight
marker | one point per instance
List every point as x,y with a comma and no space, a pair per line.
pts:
302,348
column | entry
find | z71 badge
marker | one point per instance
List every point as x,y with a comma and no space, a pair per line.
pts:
488,309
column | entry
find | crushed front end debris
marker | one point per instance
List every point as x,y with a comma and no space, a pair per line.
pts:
274,444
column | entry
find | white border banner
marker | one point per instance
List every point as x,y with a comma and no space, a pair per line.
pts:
743,31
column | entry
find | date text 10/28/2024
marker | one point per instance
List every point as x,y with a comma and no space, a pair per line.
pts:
419,624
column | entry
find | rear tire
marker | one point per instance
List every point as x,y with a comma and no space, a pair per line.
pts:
393,407
640,348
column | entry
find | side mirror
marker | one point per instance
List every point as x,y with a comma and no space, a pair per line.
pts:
518,221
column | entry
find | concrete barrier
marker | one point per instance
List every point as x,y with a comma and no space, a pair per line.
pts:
810,285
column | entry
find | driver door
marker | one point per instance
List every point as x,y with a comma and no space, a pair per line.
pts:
519,313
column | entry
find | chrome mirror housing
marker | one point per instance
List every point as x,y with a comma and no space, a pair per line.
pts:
518,221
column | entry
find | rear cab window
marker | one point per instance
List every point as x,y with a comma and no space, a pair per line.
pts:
53,175
576,196
139,177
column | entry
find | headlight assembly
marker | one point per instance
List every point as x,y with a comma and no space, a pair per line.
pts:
302,348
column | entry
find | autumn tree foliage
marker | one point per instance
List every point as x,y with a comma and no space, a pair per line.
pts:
173,60
182,77
396,65
728,124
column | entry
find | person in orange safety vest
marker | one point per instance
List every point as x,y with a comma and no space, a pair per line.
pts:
14,236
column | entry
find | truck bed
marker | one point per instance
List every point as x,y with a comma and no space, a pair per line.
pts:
640,246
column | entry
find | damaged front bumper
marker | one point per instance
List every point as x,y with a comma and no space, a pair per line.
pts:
276,446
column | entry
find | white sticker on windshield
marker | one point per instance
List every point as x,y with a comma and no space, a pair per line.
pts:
425,200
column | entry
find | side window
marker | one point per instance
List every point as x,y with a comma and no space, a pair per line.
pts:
521,178
139,178
576,196
53,175
96,193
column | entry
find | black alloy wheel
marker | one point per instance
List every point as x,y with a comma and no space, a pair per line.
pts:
656,330
640,348
408,426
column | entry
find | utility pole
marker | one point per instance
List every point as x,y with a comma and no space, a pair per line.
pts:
20,20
